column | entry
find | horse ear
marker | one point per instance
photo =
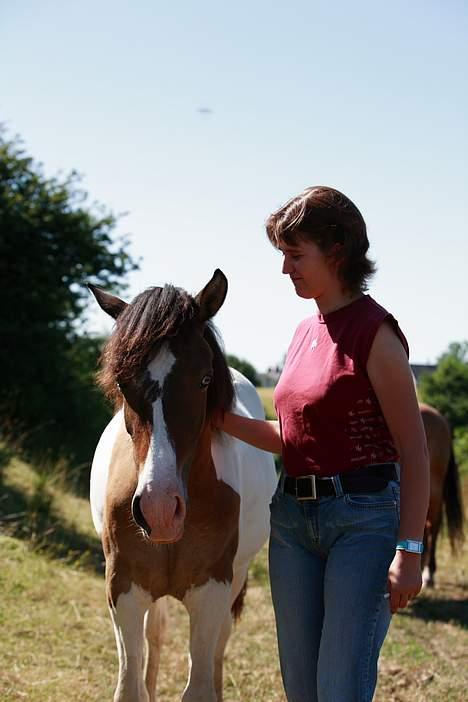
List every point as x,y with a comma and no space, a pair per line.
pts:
111,304
212,296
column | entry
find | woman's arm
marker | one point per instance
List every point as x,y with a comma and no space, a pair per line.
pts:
263,434
390,375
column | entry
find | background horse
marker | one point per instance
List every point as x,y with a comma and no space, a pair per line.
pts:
181,509
445,489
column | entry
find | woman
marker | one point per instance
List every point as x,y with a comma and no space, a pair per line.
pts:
343,556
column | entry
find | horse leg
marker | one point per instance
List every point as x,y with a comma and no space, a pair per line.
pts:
238,589
426,573
208,606
155,627
223,638
128,618
432,552
429,563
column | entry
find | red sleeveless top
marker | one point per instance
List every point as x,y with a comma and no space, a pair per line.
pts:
330,418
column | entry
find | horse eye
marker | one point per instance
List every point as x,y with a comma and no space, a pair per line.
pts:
206,380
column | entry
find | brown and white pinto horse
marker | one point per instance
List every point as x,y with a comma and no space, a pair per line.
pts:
181,508
445,489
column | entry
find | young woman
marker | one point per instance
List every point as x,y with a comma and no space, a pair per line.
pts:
343,555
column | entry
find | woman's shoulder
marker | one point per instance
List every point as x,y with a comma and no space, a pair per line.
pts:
303,329
305,324
377,315
374,308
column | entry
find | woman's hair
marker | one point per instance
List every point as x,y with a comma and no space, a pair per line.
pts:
329,219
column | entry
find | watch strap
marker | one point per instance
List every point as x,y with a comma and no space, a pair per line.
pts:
410,545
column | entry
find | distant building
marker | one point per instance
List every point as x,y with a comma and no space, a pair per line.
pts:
419,370
271,377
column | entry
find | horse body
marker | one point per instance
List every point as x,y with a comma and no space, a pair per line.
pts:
181,509
444,489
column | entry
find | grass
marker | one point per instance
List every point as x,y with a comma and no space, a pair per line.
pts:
266,396
57,641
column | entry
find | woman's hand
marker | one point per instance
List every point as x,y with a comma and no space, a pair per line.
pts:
404,579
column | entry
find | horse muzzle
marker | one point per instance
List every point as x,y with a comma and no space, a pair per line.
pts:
160,516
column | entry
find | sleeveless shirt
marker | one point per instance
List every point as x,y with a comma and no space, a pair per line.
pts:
330,418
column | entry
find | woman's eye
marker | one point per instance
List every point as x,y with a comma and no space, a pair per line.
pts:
206,380
293,256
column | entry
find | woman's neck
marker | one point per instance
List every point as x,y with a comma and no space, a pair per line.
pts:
336,300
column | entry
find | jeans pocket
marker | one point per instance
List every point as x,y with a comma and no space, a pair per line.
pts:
283,511
384,499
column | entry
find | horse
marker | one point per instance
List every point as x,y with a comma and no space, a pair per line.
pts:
444,490
181,508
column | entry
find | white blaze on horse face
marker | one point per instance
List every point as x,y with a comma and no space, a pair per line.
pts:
159,486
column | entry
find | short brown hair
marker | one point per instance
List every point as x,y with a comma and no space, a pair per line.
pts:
326,217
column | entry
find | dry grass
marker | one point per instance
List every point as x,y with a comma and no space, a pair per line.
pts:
57,641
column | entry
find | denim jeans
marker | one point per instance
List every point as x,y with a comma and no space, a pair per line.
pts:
328,572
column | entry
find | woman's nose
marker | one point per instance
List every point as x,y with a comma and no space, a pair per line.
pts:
287,267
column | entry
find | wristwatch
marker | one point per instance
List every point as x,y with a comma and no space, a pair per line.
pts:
410,545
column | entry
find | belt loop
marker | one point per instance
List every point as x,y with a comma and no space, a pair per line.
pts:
398,470
337,485
281,481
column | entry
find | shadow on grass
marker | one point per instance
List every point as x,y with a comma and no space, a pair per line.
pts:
433,609
33,519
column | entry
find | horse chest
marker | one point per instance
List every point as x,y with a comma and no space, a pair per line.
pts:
206,550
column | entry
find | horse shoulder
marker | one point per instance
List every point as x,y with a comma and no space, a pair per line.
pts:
243,467
248,471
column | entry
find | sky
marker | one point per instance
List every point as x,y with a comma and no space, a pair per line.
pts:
368,97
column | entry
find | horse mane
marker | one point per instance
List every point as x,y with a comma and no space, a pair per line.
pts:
221,390
154,316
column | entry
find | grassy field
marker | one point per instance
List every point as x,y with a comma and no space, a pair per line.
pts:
266,395
57,643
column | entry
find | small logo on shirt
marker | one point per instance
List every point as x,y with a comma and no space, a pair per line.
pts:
313,344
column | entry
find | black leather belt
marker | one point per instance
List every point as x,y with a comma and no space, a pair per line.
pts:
372,478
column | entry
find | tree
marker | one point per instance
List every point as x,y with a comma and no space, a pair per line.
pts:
447,387
51,243
243,367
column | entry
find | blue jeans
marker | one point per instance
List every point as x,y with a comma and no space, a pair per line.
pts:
328,572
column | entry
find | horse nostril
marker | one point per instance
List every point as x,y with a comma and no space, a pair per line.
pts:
179,508
138,515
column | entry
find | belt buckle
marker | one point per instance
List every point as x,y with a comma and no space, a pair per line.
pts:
313,486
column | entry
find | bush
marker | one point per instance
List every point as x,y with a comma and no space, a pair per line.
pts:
460,444
51,243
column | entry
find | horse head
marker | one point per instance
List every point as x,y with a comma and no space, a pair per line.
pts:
163,364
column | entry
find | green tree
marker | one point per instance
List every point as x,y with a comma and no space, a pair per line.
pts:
51,242
243,367
447,387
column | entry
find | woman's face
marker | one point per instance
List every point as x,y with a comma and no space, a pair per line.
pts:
312,273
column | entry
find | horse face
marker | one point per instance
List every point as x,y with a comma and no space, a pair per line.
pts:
179,377
165,403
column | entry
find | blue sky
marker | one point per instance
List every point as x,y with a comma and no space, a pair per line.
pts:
368,97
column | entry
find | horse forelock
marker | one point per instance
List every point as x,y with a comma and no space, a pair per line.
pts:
155,316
